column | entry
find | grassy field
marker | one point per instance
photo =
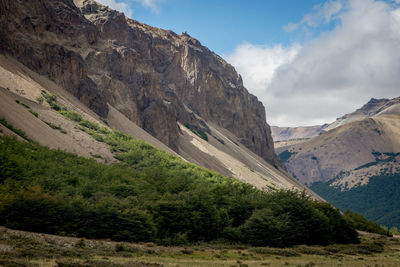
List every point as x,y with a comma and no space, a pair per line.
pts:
19,248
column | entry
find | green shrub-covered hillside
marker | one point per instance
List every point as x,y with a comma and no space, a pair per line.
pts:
379,200
152,196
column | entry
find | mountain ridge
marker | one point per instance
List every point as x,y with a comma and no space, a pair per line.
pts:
152,76
373,107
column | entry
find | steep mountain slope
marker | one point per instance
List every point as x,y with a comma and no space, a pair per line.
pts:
350,153
152,76
178,91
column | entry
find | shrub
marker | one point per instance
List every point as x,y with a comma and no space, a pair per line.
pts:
197,130
150,196
360,223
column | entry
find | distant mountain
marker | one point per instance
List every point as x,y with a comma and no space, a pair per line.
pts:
354,151
356,163
301,132
373,107
153,84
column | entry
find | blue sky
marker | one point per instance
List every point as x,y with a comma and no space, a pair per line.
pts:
308,61
221,25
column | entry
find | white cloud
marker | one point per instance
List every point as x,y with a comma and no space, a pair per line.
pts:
124,6
120,6
258,64
333,74
152,4
323,13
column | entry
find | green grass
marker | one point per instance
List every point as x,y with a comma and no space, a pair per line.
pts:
32,249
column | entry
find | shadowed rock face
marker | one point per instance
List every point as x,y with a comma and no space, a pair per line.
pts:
153,76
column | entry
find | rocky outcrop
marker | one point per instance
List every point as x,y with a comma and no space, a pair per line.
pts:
40,34
154,77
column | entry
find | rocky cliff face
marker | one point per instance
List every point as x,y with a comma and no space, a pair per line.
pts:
154,77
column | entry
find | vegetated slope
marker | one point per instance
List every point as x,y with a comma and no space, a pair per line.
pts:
154,77
355,166
151,196
377,201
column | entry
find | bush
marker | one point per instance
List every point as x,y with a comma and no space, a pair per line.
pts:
360,223
72,115
150,196
197,130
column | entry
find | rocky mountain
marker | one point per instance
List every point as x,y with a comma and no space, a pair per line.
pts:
355,163
153,84
283,135
372,108
295,133
353,152
351,146
154,77
357,146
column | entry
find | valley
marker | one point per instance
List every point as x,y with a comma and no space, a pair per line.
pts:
125,144
354,163
21,249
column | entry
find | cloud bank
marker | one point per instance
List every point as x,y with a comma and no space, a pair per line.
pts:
332,74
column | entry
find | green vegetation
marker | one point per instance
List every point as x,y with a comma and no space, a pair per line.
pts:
197,131
360,223
51,100
28,107
34,113
378,201
23,104
152,196
55,127
285,155
219,140
15,130
390,156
